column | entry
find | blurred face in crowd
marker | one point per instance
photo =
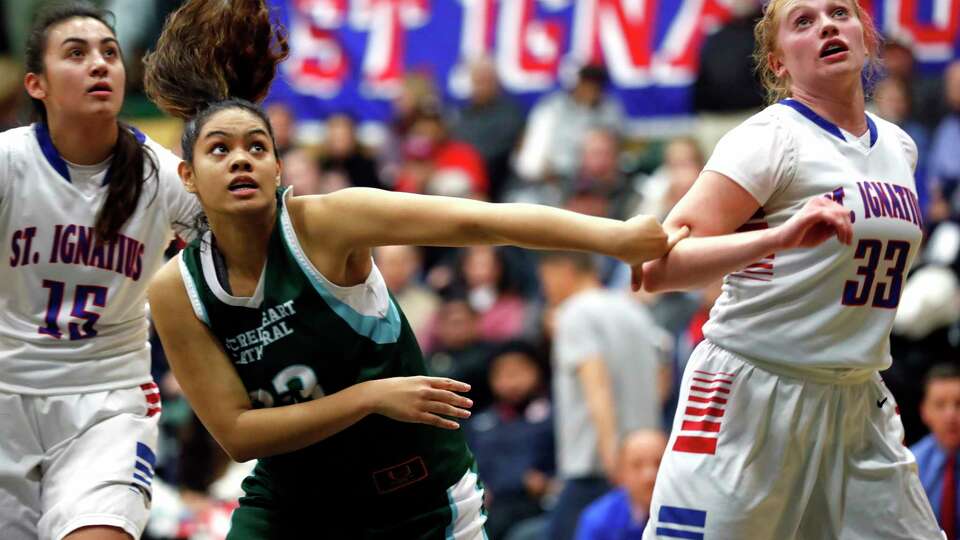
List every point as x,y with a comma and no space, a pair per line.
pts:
514,377
398,264
898,60
340,139
951,85
456,324
599,156
588,93
481,267
640,457
682,151
283,124
483,81
940,411
819,42
301,172
558,278
893,102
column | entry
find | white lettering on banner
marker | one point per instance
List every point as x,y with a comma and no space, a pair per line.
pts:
387,22
528,49
643,43
932,41
317,63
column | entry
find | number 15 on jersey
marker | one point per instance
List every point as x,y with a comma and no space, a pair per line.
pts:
82,327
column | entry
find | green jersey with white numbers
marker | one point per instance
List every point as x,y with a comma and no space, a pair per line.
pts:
301,337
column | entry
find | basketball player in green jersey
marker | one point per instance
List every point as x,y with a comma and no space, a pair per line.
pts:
280,328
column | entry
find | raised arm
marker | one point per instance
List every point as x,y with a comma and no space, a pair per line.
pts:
219,398
364,218
713,209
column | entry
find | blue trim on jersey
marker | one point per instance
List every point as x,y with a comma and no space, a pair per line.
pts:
380,330
677,533
143,480
144,469
682,516
145,453
53,155
827,125
50,151
872,126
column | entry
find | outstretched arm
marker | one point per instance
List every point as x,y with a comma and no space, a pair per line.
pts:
713,209
364,218
219,398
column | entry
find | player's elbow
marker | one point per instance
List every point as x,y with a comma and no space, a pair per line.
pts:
654,277
238,451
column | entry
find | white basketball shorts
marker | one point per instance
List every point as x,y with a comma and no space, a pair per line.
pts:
77,460
754,455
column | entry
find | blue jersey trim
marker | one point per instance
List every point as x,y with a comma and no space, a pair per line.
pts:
52,155
827,125
380,330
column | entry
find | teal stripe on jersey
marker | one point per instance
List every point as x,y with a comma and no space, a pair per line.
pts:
379,329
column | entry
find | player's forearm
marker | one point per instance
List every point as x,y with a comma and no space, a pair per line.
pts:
544,227
265,432
697,262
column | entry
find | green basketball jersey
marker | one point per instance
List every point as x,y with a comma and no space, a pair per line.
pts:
300,337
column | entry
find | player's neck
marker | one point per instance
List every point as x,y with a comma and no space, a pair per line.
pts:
85,143
243,241
845,108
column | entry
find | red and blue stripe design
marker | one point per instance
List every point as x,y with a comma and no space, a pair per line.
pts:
703,412
676,522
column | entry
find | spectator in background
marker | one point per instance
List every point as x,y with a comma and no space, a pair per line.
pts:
343,157
622,513
301,172
513,438
661,191
490,122
727,89
944,165
417,93
557,124
892,102
434,164
284,127
493,292
682,162
456,350
925,91
401,267
938,452
599,187
606,362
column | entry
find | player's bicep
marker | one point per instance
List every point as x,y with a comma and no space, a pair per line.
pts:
714,205
200,365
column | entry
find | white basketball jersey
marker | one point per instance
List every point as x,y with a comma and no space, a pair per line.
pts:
72,313
831,306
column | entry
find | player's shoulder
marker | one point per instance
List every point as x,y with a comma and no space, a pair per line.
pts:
167,280
17,140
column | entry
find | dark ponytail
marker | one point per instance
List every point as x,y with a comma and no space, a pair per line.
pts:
133,162
212,56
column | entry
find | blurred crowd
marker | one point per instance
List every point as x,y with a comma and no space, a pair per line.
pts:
574,378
